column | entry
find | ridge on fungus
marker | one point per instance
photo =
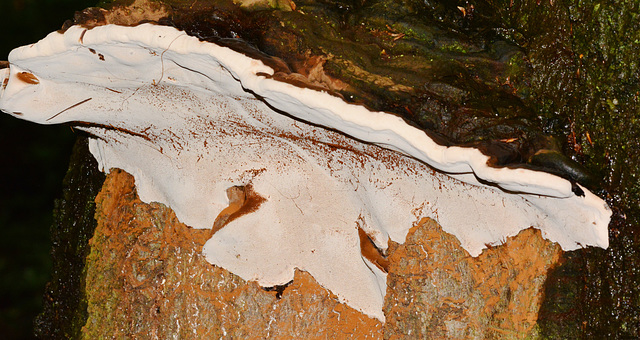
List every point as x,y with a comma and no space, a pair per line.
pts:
191,119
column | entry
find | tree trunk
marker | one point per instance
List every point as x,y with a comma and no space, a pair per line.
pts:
145,277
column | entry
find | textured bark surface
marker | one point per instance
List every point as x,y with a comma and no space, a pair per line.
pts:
146,278
453,295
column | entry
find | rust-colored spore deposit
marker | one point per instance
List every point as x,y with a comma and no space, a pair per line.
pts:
146,278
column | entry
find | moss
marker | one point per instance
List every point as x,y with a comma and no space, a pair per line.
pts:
65,306
111,3
585,81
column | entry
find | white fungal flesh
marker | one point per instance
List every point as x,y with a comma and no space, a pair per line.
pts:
182,117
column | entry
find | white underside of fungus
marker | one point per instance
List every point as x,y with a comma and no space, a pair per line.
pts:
183,117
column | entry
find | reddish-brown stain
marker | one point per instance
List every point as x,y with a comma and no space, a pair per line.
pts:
81,39
371,252
242,200
28,78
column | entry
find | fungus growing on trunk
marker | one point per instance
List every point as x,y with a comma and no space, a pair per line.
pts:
196,123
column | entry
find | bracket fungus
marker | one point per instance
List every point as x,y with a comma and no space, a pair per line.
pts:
192,119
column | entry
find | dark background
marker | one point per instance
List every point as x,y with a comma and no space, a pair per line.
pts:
33,163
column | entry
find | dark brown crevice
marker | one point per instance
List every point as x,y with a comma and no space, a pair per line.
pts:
279,289
81,124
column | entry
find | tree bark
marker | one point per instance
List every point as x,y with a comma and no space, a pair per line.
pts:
145,277
144,274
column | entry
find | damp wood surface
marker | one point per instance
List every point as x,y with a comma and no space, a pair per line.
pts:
455,296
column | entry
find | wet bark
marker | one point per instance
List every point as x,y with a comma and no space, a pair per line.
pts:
64,302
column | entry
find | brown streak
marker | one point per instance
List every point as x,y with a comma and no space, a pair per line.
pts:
69,108
81,39
28,78
242,200
371,252
109,127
